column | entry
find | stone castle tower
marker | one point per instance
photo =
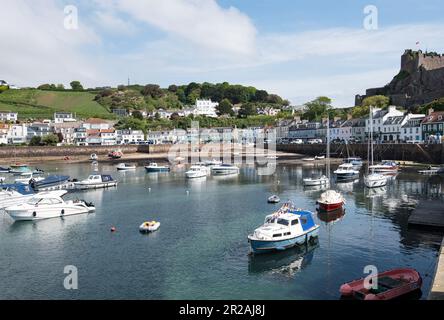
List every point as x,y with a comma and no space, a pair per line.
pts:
411,61
420,80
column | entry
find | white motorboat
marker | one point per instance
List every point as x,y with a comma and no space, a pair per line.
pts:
225,170
14,194
48,205
96,181
386,166
196,172
308,159
125,167
149,226
430,170
212,163
274,199
373,179
356,162
28,178
346,172
316,181
319,157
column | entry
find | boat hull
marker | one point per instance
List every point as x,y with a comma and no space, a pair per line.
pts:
375,183
154,170
262,246
327,207
102,185
47,213
316,182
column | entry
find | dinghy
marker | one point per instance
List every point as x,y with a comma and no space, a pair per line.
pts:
390,285
149,226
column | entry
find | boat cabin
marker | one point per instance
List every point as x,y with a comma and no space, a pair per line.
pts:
288,224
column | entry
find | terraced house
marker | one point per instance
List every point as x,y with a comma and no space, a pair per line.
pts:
433,126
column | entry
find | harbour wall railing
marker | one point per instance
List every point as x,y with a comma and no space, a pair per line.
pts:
424,153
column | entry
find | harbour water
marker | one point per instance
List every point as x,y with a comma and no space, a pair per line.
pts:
201,250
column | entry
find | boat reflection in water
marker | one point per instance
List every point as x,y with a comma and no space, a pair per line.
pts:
376,192
310,189
288,262
331,216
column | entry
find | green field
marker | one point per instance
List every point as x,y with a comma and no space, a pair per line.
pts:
38,104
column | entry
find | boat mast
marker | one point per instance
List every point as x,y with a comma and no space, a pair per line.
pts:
328,148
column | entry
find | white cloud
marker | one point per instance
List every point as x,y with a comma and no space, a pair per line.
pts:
202,22
36,48
109,22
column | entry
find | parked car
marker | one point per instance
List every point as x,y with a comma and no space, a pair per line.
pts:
297,141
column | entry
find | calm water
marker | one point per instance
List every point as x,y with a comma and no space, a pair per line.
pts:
201,250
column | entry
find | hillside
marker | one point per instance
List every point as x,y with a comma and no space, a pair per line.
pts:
39,104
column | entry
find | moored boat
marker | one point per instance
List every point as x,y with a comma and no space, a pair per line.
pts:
386,166
28,178
94,157
154,167
19,168
346,172
225,170
96,181
284,229
274,199
48,205
330,200
13,194
149,226
50,181
5,169
375,180
125,167
115,154
196,171
357,163
389,285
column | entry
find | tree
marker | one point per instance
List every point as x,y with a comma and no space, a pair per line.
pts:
376,101
172,88
60,87
317,108
247,109
261,96
152,90
137,115
225,107
35,141
76,86
50,140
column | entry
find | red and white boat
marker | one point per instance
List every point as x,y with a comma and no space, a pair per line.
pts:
330,200
390,285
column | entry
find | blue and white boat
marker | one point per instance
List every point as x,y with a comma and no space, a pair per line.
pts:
50,182
284,229
357,163
154,167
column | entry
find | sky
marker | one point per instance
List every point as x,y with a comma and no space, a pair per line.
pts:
298,49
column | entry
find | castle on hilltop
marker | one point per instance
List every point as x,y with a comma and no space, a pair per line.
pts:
420,80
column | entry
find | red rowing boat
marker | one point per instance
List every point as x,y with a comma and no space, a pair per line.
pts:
391,284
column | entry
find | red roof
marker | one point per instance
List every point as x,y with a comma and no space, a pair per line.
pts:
95,121
434,117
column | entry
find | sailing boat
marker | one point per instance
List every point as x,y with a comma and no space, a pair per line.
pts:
330,200
373,180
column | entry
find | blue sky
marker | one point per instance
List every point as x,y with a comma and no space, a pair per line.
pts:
298,49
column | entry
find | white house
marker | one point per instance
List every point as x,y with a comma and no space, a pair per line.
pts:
206,108
61,117
380,117
129,136
68,131
411,130
8,116
17,134
97,124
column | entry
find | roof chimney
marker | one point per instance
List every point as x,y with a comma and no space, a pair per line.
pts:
430,111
